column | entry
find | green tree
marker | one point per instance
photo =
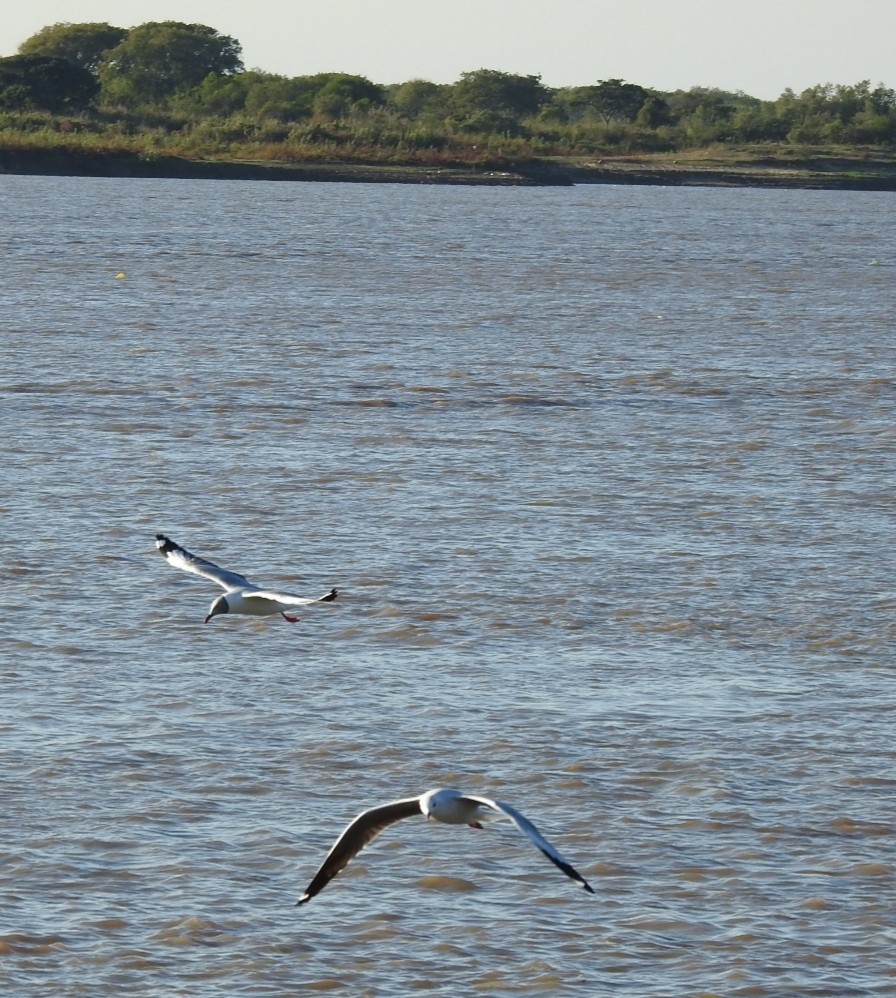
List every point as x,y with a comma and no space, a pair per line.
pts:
616,100
760,123
882,99
220,95
50,84
85,45
713,105
162,58
258,94
282,98
609,101
338,94
653,113
704,114
876,121
570,104
490,97
417,98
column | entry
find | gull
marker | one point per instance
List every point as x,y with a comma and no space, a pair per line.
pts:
449,806
240,595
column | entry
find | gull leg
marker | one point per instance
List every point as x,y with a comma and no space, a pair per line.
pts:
292,620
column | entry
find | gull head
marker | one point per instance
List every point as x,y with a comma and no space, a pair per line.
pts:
219,606
431,802
443,805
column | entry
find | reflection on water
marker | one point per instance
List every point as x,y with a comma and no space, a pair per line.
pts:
604,477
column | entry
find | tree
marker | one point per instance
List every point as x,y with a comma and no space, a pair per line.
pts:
282,98
653,113
269,96
221,95
340,93
488,93
85,45
44,82
713,104
162,58
258,94
418,97
610,100
616,100
760,123
882,99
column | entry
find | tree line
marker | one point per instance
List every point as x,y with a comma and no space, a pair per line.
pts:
186,85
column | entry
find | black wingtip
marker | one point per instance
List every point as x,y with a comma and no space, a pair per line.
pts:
331,595
164,543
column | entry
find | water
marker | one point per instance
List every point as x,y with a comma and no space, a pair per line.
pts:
605,478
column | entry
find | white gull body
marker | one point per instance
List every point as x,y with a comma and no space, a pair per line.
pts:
449,806
240,595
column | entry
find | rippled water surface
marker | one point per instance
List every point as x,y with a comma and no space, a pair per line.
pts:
605,477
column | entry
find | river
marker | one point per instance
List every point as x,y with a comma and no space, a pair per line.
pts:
605,478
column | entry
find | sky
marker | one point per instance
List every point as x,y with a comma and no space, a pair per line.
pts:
760,47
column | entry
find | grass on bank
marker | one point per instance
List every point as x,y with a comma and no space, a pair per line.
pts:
377,143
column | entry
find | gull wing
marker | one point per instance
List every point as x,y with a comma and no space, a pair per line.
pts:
359,833
288,599
528,829
179,557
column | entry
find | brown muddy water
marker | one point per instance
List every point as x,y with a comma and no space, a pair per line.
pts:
606,479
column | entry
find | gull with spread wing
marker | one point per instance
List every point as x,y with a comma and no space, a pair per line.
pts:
449,806
240,595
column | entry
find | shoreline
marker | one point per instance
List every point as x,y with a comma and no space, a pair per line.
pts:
667,171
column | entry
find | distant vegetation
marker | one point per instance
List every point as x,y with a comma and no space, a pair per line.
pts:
168,88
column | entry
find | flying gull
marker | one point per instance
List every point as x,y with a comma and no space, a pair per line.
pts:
449,806
240,595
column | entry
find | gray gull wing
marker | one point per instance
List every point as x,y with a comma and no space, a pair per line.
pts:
528,829
363,830
179,557
288,599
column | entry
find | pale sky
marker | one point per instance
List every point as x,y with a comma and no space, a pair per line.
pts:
760,47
